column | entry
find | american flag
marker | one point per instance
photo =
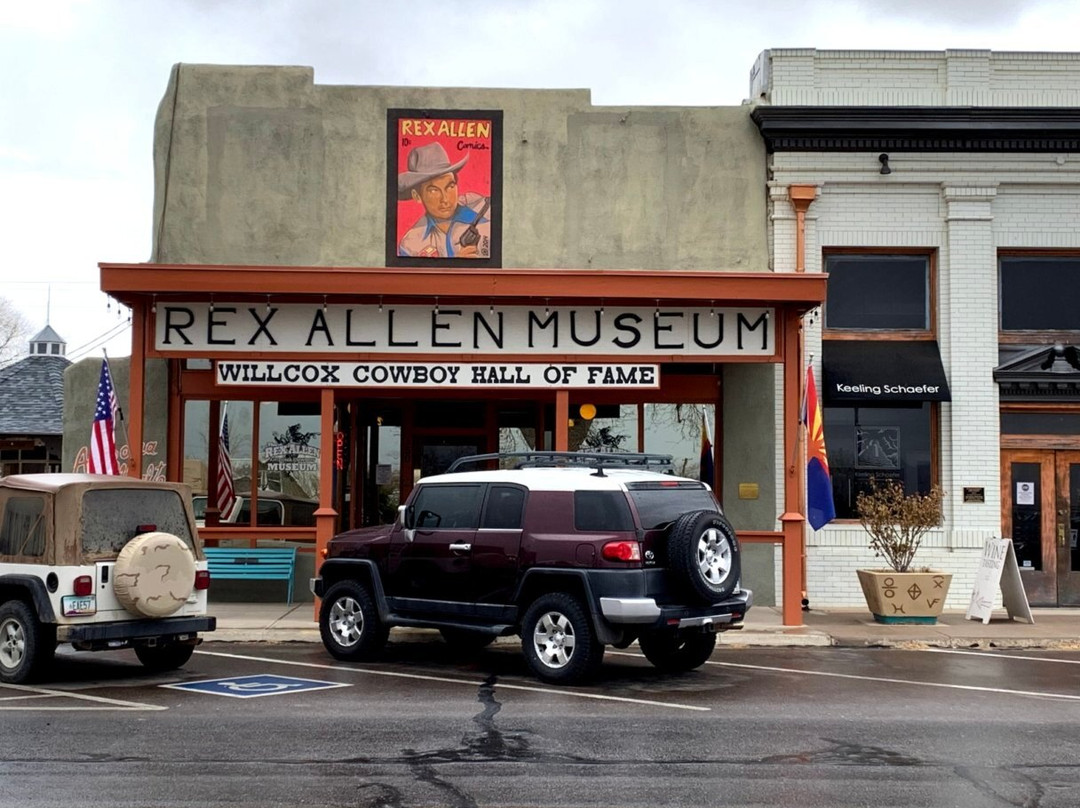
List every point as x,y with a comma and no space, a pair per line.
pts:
102,436
224,488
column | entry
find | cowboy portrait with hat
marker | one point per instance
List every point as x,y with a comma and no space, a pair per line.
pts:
454,224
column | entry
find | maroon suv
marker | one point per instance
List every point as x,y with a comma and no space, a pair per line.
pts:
570,551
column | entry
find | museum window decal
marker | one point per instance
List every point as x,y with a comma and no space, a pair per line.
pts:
444,188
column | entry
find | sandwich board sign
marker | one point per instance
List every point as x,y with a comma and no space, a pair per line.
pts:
998,566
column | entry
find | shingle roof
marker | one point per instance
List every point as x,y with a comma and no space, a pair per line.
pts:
47,335
32,396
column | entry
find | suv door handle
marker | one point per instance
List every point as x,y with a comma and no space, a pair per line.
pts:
460,548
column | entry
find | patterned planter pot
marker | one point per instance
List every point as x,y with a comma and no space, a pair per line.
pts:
905,597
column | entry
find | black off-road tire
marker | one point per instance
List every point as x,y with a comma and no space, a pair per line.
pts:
164,657
349,623
673,652
703,552
26,646
558,640
465,641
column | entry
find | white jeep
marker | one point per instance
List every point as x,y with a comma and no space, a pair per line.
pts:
102,563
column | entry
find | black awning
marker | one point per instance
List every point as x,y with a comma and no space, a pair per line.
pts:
868,372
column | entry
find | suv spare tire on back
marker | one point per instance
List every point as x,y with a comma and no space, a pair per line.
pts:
154,574
704,553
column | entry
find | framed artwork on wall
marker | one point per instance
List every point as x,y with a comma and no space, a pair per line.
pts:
444,188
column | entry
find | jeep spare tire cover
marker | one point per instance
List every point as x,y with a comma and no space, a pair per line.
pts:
154,574
704,553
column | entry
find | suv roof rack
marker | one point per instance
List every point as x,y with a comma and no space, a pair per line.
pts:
597,460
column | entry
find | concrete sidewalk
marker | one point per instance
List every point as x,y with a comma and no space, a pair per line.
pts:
1053,628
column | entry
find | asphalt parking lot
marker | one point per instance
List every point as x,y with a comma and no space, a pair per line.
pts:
285,724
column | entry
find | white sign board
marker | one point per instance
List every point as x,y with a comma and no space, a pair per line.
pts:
436,374
1025,494
998,566
297,328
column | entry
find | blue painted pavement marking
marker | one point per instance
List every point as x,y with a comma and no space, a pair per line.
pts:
260,684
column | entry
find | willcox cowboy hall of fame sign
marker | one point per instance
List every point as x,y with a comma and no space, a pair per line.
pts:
998,566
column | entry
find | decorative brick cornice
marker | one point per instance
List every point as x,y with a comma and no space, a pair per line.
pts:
919,129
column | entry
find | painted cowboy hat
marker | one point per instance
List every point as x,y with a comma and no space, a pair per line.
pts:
424,163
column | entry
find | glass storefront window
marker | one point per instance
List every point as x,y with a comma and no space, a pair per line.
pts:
197,448
288,459
287,465
675,429
614,428
886,443
1027,515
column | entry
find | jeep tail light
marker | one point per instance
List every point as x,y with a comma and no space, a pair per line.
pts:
202,579
84,585
145,529
622,551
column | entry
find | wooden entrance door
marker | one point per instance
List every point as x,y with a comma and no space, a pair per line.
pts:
1040,501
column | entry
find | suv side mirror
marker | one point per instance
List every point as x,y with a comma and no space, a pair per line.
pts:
401,515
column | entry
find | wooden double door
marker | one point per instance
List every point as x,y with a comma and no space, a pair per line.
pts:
1040,512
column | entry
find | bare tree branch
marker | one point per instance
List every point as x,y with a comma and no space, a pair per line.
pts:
14,332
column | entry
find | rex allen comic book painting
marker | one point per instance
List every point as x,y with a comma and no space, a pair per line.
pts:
444,188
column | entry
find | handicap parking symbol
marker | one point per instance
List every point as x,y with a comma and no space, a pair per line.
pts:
250,687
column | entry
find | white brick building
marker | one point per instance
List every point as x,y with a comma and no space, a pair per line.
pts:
942,178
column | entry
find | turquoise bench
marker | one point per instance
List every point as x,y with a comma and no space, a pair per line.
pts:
252,564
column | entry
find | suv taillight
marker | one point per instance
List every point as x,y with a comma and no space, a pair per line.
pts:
202,579
622,551
84,585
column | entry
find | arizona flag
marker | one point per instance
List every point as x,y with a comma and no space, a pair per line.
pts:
102,437
819,496
707,472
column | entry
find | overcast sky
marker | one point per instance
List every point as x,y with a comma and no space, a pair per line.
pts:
82,80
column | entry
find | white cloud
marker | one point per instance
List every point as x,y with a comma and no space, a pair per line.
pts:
83,79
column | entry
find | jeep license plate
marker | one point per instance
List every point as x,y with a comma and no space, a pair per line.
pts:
75,605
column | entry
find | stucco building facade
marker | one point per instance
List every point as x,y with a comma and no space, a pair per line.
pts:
604,281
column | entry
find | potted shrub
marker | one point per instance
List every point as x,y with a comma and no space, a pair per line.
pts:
896,522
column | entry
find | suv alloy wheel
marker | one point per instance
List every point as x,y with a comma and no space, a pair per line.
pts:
558,639
349,623
702,549
25,646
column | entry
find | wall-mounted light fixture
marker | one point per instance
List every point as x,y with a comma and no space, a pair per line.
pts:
884,160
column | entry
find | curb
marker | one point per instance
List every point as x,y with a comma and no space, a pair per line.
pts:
744,639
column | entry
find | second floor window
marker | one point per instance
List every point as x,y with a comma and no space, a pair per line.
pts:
1039,293
878,292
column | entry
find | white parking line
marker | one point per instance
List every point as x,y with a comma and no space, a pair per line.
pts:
974,688
468,682
993,655
96,702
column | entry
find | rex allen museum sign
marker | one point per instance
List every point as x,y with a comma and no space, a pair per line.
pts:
203,328
478,333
